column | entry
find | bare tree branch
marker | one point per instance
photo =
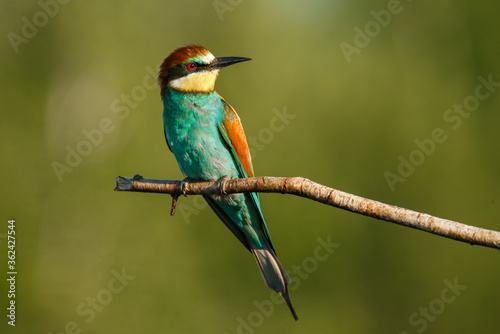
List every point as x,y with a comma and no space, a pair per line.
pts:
305,188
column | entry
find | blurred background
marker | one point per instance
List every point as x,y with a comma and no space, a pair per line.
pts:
394,101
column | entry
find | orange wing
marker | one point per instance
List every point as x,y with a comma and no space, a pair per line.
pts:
237,138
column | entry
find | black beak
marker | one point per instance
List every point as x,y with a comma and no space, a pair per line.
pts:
226,61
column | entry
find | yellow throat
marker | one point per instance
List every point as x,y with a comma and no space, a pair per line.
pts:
196,82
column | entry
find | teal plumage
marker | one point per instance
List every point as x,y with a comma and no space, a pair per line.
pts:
192,136
206,137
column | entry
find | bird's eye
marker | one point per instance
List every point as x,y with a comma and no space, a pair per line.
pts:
191,66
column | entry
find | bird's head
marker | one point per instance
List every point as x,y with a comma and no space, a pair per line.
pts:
192,68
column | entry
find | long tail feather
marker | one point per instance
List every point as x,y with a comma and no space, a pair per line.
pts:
274,275
286,296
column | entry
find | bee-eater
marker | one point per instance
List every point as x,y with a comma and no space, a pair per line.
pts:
206,136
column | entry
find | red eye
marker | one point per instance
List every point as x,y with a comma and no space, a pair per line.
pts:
192,66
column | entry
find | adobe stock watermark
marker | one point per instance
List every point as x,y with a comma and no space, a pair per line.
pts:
265,136
421,318
222,6
88,309
256,143
299,273
373,28
453,118
94,137
30,27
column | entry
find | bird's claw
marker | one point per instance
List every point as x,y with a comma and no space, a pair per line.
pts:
222,183
184,185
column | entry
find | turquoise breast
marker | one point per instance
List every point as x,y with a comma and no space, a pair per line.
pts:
190,121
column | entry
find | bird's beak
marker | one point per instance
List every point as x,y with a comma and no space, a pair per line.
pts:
226,61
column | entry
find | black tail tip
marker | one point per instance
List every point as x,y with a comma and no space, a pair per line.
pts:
286,296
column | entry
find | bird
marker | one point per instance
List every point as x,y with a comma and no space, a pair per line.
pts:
206,136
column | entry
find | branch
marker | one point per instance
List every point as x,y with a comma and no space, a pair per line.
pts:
305,188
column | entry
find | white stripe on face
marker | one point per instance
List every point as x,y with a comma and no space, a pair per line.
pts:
207,58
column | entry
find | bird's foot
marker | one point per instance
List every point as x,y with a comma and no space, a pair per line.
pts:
184,185
222,183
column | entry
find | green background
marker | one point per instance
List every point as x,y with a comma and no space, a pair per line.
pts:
352,121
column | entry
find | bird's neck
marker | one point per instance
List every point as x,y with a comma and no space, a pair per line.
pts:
180,104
